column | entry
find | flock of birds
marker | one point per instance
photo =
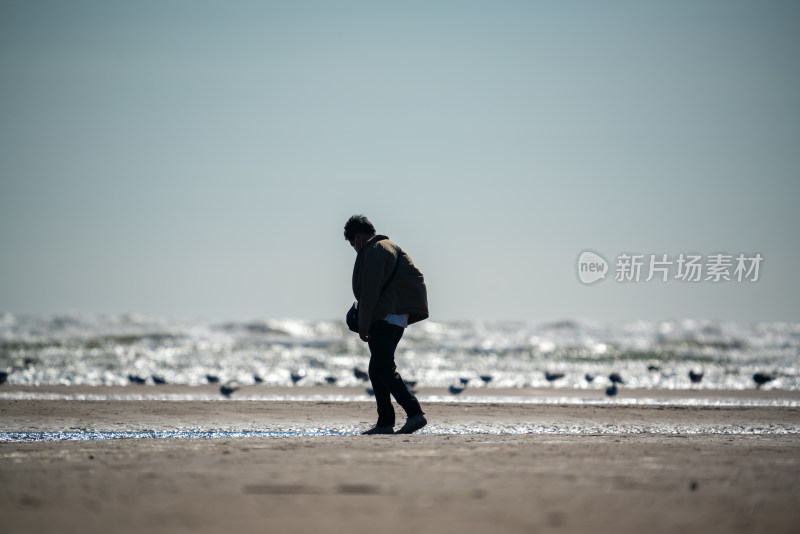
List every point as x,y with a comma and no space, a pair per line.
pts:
615,380
695,377
611,390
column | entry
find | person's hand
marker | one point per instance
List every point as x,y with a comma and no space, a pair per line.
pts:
363,335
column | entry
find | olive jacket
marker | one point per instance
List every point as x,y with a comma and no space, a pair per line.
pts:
406,292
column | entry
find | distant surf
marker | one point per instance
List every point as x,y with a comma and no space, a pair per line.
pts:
94,350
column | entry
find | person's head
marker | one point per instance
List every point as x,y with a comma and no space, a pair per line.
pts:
358,230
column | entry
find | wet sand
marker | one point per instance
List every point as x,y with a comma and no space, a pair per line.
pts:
564,479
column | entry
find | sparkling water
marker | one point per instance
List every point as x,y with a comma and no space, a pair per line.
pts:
79,349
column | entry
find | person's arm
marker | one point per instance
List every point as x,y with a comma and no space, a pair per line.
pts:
373,275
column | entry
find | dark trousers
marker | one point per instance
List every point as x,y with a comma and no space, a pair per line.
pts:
386,381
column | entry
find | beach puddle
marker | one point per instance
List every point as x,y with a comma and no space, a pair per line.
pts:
83,435
472,429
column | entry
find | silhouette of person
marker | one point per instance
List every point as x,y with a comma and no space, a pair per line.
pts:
391,295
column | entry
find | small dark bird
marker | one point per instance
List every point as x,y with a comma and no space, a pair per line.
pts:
486,378
257,379
653,367
3,377
360,374
228,389
588,377
616,378
330,379
297,376
455,390
157,380
552,377
137,379
696,378
212,379
762,378
612,390
464,381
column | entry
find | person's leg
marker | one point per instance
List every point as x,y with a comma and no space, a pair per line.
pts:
381,347
384,338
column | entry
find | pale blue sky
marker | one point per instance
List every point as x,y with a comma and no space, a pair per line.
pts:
200,158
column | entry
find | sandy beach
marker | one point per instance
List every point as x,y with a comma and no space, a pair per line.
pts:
545,467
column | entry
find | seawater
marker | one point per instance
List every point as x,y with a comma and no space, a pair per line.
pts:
462,429
81,349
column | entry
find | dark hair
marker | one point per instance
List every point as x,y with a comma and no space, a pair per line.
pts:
357,224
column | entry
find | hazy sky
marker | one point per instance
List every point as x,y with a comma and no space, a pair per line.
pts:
200,158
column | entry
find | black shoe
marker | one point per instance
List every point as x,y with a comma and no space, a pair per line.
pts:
379,430
413,424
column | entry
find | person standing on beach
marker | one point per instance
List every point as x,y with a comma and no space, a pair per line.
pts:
391,295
